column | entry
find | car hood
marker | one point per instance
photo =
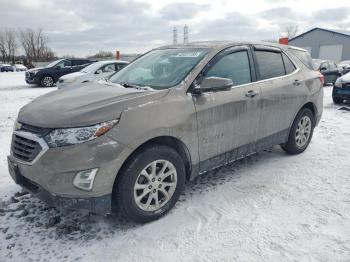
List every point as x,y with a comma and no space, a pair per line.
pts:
83,106
36,68
346,78
73,75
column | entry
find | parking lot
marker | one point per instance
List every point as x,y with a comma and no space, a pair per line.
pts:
267,207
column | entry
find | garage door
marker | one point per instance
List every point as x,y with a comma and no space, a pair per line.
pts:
331,52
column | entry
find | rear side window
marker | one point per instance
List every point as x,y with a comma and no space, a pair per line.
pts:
270,64
303,56
290,67
234,66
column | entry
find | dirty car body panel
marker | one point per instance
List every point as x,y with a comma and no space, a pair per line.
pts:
212,128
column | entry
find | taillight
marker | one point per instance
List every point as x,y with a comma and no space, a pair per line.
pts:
321,77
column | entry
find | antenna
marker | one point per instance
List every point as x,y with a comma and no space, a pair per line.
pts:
175,35
185,35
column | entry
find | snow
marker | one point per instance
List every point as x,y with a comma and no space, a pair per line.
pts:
267,207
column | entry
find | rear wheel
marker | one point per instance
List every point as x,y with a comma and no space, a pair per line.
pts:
300,133
151,184
47,81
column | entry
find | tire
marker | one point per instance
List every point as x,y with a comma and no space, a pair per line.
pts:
297,143
47,81
132,200
337,100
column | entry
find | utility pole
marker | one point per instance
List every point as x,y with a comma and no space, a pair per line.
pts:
185,35
175,35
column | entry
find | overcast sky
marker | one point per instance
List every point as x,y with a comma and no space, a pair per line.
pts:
83,27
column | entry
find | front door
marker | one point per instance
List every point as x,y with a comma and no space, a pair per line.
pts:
228,120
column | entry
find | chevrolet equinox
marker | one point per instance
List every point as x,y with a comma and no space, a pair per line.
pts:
176,112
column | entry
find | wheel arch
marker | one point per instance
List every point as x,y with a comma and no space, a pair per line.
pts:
47,74
169,141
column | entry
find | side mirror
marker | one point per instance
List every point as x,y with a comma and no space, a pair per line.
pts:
57,67
213,84
98,72
323,68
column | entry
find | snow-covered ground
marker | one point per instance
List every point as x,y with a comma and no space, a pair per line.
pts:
267,207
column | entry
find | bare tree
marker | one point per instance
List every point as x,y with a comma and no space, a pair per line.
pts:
291,31
8,45
34,44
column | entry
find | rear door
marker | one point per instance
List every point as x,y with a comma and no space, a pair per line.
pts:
282,93
228,120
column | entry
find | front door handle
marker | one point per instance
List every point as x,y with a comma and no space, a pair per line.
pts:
251,93
296,82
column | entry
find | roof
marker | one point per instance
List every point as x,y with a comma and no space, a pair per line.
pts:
223,44
336,31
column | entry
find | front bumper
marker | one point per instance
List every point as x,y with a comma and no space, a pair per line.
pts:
341,92
99,205
50,177
33,80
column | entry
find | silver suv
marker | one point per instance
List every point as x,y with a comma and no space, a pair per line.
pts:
172,114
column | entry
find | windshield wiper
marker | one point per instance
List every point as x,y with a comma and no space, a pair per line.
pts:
128,85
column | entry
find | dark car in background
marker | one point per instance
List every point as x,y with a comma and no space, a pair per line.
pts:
6,68
341,89
328,69
49,75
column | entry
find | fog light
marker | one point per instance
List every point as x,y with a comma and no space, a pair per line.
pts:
85,179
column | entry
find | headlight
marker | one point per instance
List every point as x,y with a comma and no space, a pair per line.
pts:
35,72
339,83
77,135
16,125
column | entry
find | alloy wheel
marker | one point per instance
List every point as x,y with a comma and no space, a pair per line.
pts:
303,131
155,185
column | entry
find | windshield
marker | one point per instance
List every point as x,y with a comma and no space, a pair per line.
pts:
92,68
54,63
160,69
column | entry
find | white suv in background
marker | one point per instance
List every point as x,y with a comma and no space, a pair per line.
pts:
95,71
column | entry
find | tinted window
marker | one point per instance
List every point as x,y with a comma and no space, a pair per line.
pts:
234,66
303,56
270,64
290,68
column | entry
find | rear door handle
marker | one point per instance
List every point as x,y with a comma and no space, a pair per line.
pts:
251,93
296,82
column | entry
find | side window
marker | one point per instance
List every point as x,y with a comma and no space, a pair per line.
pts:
60,64
67,63
108,68
270,64
290,67
234,66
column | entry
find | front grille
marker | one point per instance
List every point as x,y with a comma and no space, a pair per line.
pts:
25,149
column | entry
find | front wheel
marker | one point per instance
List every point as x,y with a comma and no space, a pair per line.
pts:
337,100
300,133
47,81
150,184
